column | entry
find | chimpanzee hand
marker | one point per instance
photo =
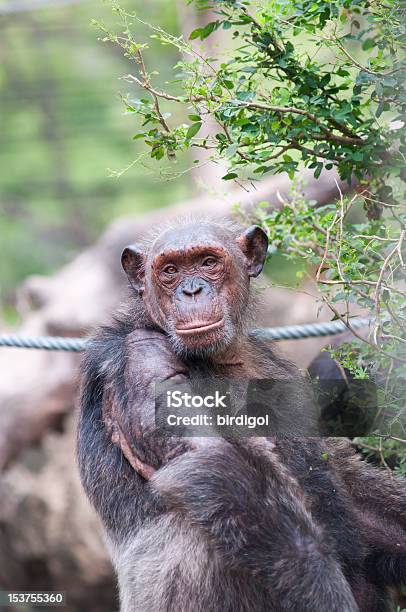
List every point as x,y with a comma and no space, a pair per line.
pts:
129,414
151,360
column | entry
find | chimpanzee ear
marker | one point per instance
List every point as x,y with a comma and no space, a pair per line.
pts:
254,244
133,262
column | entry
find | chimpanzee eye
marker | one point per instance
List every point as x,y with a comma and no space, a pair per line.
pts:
170,269
209,262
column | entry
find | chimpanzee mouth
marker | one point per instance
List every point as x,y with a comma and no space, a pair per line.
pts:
198,328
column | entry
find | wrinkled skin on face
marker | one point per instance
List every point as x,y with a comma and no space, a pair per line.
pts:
194,282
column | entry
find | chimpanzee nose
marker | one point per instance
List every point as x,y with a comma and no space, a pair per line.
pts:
192,287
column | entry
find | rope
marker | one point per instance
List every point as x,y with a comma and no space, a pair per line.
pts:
309,330
49,343
286,332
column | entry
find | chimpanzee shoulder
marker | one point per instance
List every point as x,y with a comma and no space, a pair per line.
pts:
274,364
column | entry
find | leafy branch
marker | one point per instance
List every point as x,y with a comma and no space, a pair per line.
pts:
277,104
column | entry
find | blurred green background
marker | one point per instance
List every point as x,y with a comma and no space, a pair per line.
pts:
62,127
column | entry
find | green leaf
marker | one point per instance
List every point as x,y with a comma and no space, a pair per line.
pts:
319,168
157,151
192,131
369,43
195,34
229,176
380,108
203,33
232,150
261,169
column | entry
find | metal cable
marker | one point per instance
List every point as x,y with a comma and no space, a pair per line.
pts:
286,332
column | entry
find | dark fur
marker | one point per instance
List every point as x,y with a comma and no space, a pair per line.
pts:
255,524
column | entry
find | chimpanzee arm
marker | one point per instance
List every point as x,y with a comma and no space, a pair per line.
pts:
368,484
380,502
109,480
254,513
129,403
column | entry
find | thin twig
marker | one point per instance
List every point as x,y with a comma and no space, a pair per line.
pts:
364,445
357,63
374,237
382,272
326,248
359,336
361,282
147,86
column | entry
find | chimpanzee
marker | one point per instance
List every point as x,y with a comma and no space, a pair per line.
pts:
231,524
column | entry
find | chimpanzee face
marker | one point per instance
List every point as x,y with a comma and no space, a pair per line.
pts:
195,282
